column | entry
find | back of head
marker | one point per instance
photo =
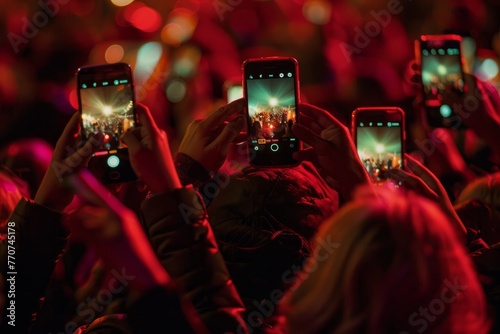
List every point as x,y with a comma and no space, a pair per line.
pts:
387,263
263,220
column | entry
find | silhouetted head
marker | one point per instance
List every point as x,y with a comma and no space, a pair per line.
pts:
380,262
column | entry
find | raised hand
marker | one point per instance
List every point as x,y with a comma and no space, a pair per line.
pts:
150,155
422,181
65,160
331,150
207,141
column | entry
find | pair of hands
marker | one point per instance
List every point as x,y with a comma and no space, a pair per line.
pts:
149,154
331,148
102,221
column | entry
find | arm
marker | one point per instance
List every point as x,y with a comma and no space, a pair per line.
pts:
179,232
185,245
40,238
39,233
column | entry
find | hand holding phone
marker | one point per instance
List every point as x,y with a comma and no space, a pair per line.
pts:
107,106
440,59
51,193
271,89
331,150
150,155
207,141
379,134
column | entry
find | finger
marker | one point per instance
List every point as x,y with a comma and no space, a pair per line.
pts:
421,171
68,137
81,156
415,166
145,118
229,133
220,115
310,123
412,182
322,117
130,138
309,137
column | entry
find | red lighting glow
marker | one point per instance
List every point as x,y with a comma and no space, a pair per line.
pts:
146,19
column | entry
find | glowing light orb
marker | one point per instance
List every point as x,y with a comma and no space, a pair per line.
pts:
107,110
441,69
273,102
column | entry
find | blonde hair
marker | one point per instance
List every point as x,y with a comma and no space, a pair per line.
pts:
388,262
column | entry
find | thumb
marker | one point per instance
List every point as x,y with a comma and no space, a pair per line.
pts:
230,132
130,138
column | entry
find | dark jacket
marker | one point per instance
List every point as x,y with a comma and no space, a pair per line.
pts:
185,246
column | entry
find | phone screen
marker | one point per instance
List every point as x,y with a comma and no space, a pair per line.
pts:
271,92
442,71
379,138
107,106
106,99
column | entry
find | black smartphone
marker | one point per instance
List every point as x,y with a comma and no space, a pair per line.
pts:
107,106
441,62
271,89
379,134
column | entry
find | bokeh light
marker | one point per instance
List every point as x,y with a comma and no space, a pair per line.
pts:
145,18
176,90
121,3
114,53
317,11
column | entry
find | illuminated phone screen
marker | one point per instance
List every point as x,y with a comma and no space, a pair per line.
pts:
441,71
379,142
107,107
272,110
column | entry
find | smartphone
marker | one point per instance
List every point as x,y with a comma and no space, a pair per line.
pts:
379,134
107,106
271,89
441,62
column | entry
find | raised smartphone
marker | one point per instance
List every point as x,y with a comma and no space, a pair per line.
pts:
379,137
440,59
271,89
107,106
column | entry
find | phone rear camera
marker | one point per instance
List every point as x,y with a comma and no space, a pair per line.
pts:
113,161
